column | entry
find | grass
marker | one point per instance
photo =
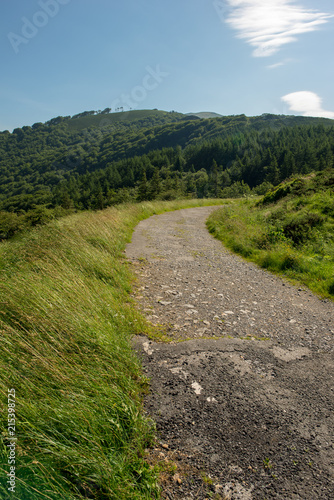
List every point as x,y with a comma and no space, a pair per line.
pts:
66,321
110,119
290,231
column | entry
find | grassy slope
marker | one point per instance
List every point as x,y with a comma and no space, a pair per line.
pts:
110,119
66,319
289,231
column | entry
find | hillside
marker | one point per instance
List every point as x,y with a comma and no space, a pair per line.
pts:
204,114
137,118
289,231
94,160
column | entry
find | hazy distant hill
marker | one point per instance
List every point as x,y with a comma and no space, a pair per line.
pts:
204,114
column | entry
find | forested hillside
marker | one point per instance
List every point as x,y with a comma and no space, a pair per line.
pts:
97,159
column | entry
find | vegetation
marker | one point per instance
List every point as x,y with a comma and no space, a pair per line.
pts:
289,231
92,160
66,321
66,314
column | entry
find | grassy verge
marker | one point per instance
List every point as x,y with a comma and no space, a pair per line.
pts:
290,231
66,320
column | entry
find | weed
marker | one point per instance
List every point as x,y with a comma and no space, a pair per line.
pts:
206,479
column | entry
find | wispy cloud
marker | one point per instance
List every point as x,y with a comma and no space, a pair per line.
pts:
307,104
267,25
274,66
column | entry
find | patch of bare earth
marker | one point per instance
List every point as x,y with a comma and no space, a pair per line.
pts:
244,404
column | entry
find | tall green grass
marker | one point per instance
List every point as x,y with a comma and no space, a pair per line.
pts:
291,234
66,320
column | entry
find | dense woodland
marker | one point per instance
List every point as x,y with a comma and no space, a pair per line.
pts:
97,159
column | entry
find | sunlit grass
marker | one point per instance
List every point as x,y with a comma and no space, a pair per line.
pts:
293,237
66,320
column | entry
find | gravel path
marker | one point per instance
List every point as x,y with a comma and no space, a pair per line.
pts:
244,405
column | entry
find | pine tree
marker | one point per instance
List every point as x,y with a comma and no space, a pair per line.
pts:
273,173
143,188
214,179
190,185
155,185
99,199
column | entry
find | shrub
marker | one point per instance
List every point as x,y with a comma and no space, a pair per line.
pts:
271,237
10,223
300,226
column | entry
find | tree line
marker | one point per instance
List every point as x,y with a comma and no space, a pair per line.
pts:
56,167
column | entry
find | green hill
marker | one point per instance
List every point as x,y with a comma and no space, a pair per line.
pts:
143,118
94,160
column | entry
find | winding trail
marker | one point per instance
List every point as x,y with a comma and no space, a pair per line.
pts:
244,405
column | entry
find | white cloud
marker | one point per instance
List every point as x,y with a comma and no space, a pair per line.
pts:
267,25
307,104
277,65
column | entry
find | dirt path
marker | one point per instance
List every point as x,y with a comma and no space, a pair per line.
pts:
244,407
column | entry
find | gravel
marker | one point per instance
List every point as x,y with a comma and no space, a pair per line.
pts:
242,395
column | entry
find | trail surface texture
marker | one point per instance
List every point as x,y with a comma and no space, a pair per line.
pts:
244,404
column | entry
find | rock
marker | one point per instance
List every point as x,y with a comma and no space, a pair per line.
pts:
177,479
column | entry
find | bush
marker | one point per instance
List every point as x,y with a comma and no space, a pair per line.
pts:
296,186
10,224
299,227
39,215
272,236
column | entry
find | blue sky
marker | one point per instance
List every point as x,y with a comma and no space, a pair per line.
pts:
61,57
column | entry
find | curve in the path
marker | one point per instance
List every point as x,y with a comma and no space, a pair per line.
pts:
255,414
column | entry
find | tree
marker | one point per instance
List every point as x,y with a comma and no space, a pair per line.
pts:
99,199
155,185
288,166
225,179
202,180
273,173
214,179
190,185
143,188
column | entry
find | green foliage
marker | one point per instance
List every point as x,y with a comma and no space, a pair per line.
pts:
293,236
10,223
143,190
97,159
298,227
73,162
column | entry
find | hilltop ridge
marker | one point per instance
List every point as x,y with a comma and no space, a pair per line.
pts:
96,159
